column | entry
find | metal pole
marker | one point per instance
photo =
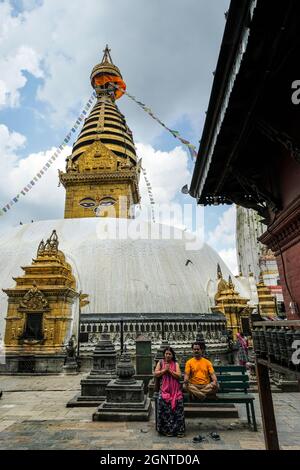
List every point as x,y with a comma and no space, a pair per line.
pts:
121,336
78,332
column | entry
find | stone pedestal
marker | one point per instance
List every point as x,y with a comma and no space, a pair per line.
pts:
93,387
39,364
143,356
143,360
125,398
70,367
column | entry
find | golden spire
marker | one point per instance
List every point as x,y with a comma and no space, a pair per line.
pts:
107,72
266,301
106,55
219,272
230,283
103,169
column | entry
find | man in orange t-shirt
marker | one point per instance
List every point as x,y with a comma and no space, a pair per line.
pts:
200,378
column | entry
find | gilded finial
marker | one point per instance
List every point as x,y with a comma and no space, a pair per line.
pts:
230,283
106,55
261,279
41,248
219,272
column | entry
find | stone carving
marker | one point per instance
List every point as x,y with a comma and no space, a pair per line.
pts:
71,349
34,299
71,165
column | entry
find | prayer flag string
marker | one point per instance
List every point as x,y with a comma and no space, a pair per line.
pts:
51,160
191,148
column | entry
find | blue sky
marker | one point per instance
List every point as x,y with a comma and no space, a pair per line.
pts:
166,51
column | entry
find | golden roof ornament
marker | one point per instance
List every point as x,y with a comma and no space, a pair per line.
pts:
219,272
107,72
230,283
34,299
51,245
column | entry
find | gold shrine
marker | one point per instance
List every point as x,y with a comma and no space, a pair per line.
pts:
266,301
231,304
40,305
102,174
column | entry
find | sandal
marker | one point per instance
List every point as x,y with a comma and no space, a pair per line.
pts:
215,436
180,434
199,439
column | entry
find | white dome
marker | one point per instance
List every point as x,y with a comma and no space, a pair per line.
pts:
126,275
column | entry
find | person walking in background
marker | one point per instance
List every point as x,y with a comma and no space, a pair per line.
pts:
170,413
243,349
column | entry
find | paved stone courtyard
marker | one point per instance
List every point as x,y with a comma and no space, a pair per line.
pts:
33,415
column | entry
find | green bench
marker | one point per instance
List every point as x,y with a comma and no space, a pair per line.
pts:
234,385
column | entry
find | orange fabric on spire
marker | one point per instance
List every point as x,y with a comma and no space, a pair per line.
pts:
111,78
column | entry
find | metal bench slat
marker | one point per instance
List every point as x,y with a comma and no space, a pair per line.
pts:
232,378
230,369
241,385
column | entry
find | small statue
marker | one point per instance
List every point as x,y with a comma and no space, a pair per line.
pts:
71,364
71,349
71,165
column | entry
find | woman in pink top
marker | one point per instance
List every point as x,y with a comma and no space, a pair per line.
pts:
170,413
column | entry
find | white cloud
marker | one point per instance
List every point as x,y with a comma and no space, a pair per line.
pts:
165,50
167,172
223,238
10,141
45,200
12,79
229,257
224,233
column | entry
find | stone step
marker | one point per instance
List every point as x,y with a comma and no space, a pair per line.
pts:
209,411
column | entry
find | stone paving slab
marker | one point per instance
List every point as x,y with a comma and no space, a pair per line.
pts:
33,415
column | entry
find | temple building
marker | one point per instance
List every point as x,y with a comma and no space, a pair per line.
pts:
255,260
102,174
249,151
126,266
39,313
236,309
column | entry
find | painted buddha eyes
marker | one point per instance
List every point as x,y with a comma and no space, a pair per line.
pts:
107,201
87,202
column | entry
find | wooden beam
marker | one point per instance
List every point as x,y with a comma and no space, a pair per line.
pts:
267,408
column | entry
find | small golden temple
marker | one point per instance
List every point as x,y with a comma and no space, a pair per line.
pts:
39,313
229,302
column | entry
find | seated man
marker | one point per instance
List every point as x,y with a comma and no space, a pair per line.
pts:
200,379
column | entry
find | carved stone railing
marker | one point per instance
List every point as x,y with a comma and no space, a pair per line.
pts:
178,329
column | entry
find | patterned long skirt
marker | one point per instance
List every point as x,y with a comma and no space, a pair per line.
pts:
242,356
168,421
